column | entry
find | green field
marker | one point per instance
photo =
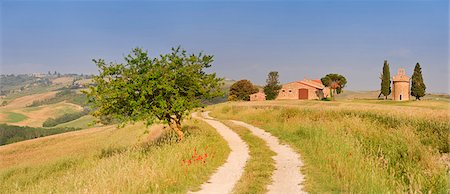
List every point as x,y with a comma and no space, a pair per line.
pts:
13,117
358,147
83,122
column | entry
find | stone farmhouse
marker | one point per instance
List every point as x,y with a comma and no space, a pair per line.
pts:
303,90
401,86
298,90
260,96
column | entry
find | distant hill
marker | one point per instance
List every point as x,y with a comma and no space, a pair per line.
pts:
14,86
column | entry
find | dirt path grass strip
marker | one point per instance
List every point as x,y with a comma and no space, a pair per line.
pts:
259,168
226,176
287,177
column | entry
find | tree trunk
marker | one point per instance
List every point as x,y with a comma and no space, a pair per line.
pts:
175,125
385,97
179,131
331,94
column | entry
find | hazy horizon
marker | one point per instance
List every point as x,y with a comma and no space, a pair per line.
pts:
248,39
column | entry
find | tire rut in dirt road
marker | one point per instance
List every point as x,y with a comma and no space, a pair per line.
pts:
287,177
227,175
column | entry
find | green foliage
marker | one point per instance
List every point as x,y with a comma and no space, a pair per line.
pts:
10,133
326,99
63,95
51,122
148,89
417,86
241,90
335,82
386,80
272,86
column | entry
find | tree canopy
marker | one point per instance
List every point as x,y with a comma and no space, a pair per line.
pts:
385,80
241,90
417,86
335,82
161,89
272,86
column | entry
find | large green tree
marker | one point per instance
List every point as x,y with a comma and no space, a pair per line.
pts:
417,86
385,80
272,86
335,82
241,90
162,89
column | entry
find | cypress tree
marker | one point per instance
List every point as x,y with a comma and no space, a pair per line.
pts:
385,80
272,86
417,85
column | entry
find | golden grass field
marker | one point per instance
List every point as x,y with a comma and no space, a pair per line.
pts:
107,159
28,100
349,146
359,146
63,80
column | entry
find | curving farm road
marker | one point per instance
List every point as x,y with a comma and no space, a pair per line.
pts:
286,178
226,176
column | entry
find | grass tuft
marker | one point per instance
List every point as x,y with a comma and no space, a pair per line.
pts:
348,147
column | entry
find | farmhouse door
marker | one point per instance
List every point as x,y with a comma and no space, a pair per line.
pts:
303,94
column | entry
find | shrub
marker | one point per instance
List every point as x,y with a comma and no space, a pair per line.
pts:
10,133
51,122
242,90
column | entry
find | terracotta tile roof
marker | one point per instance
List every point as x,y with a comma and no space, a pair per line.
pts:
318,81
313,83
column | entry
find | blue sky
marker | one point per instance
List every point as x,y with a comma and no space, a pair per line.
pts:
248,38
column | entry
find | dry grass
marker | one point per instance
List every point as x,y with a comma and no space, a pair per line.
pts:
37,115
357,146
111,160
84,81
63,80
28,100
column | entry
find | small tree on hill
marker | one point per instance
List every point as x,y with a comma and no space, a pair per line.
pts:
241,90
272,86
162,89
417,86
335,82
385,80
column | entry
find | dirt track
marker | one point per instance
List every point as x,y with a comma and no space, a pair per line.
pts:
226,176
287,177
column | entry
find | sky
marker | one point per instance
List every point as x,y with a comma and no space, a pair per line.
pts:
299,39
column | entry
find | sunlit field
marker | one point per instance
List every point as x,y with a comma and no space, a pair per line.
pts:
359,146
132,159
